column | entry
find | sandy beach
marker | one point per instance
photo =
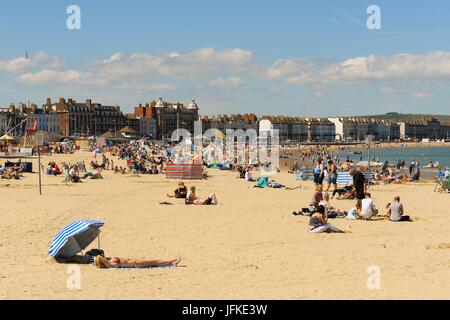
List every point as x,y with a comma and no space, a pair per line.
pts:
248,247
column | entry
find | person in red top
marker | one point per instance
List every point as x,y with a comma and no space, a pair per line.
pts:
57,170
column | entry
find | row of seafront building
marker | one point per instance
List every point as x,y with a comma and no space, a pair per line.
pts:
158,119
300,129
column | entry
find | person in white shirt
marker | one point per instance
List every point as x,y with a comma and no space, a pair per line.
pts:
248,175
73,174
447,173
368,209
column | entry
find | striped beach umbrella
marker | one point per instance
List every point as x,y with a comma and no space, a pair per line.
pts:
74,238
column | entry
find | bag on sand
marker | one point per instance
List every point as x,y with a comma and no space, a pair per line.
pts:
91,254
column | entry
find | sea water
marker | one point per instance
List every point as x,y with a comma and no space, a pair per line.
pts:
424,155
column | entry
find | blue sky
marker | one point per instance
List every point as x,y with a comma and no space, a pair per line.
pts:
310,58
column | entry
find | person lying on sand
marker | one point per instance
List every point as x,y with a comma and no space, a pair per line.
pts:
342,191
92,175
349,195
192,198
180,192
116,262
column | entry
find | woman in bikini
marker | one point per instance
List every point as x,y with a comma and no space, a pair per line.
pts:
116,262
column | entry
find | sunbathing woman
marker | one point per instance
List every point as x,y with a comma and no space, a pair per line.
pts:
191,198
116,262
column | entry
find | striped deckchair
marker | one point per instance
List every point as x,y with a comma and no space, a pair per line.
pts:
344,177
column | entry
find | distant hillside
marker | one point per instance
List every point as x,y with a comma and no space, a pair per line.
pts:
407,116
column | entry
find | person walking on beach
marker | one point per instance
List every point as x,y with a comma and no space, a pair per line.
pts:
332,176
359,183
319,173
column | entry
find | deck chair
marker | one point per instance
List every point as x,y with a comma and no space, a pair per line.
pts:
446,185
442,185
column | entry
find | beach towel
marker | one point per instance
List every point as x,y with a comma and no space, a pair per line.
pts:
262,182
129,268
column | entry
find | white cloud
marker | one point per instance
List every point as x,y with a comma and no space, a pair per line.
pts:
432,66
23,64
173,64
411,92
51,76
146,88
162,86
231,82
422,94
129,71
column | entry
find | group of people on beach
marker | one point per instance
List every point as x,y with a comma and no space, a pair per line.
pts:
190,197
13,172
320,209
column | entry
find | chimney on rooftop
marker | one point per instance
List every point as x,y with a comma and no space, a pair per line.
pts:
62,103
89,102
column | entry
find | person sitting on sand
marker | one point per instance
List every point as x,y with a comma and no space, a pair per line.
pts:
319,222
355,212
180,192
73,174
368,209
331,211
10,173
57,171
191,198
49,170
248,175
395,211
316,198
116,262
